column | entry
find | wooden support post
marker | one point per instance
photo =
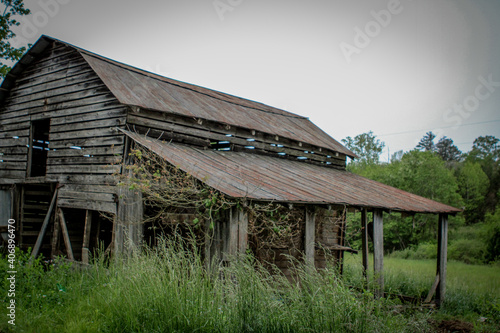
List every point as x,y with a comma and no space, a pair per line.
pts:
86,237
442,257
67,241
378,251
309,243
237,235
342,243
45,223
128,227
242,232
364,242
55,236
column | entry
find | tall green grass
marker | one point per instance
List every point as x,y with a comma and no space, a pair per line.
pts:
168,289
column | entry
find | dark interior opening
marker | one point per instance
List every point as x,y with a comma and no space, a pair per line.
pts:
39,147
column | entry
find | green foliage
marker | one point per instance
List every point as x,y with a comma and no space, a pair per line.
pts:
366,146
8,52
473,186
492,236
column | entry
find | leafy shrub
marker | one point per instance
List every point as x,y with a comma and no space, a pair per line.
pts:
470,251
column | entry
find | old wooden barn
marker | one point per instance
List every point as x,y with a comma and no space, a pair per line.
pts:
69,118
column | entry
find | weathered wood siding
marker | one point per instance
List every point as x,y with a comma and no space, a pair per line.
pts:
85,150
212,135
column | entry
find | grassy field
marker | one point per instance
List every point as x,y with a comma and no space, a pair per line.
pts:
472,291
169,290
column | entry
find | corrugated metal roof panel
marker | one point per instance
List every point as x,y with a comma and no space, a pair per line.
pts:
252,176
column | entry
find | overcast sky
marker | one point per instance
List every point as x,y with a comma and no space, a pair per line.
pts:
397,68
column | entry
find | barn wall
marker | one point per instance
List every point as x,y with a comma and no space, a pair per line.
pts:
84,149
212,135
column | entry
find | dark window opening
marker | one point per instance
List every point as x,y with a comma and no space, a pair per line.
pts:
39,147
221,145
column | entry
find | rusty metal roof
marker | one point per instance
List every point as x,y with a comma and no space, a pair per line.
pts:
258,177
132,86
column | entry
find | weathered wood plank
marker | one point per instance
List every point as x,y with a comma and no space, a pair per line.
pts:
97,179
83,133
4,127
378,251
108,207
105,141
69,71
77,97
5,175
20,142
82,169
92,196
14,133
63,109
20,165
116,151
56,94
56,86
83,160
92,125
104,112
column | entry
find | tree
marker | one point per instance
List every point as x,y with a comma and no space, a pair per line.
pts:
366,146
447,150
7,21
427,142
473,186
486,152
486,147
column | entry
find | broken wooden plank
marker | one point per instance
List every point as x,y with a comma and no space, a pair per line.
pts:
39,240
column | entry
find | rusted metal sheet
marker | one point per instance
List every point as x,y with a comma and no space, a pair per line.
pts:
258,177
132,86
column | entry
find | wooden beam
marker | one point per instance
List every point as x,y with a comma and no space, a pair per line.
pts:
45,223
364,242
67,241
433,290
55,236
86,236
442,257
232,241
309,242
378,251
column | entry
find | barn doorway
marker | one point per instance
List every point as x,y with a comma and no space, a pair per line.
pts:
39,148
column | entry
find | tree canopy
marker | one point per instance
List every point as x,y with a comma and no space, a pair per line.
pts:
11,9
366,146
